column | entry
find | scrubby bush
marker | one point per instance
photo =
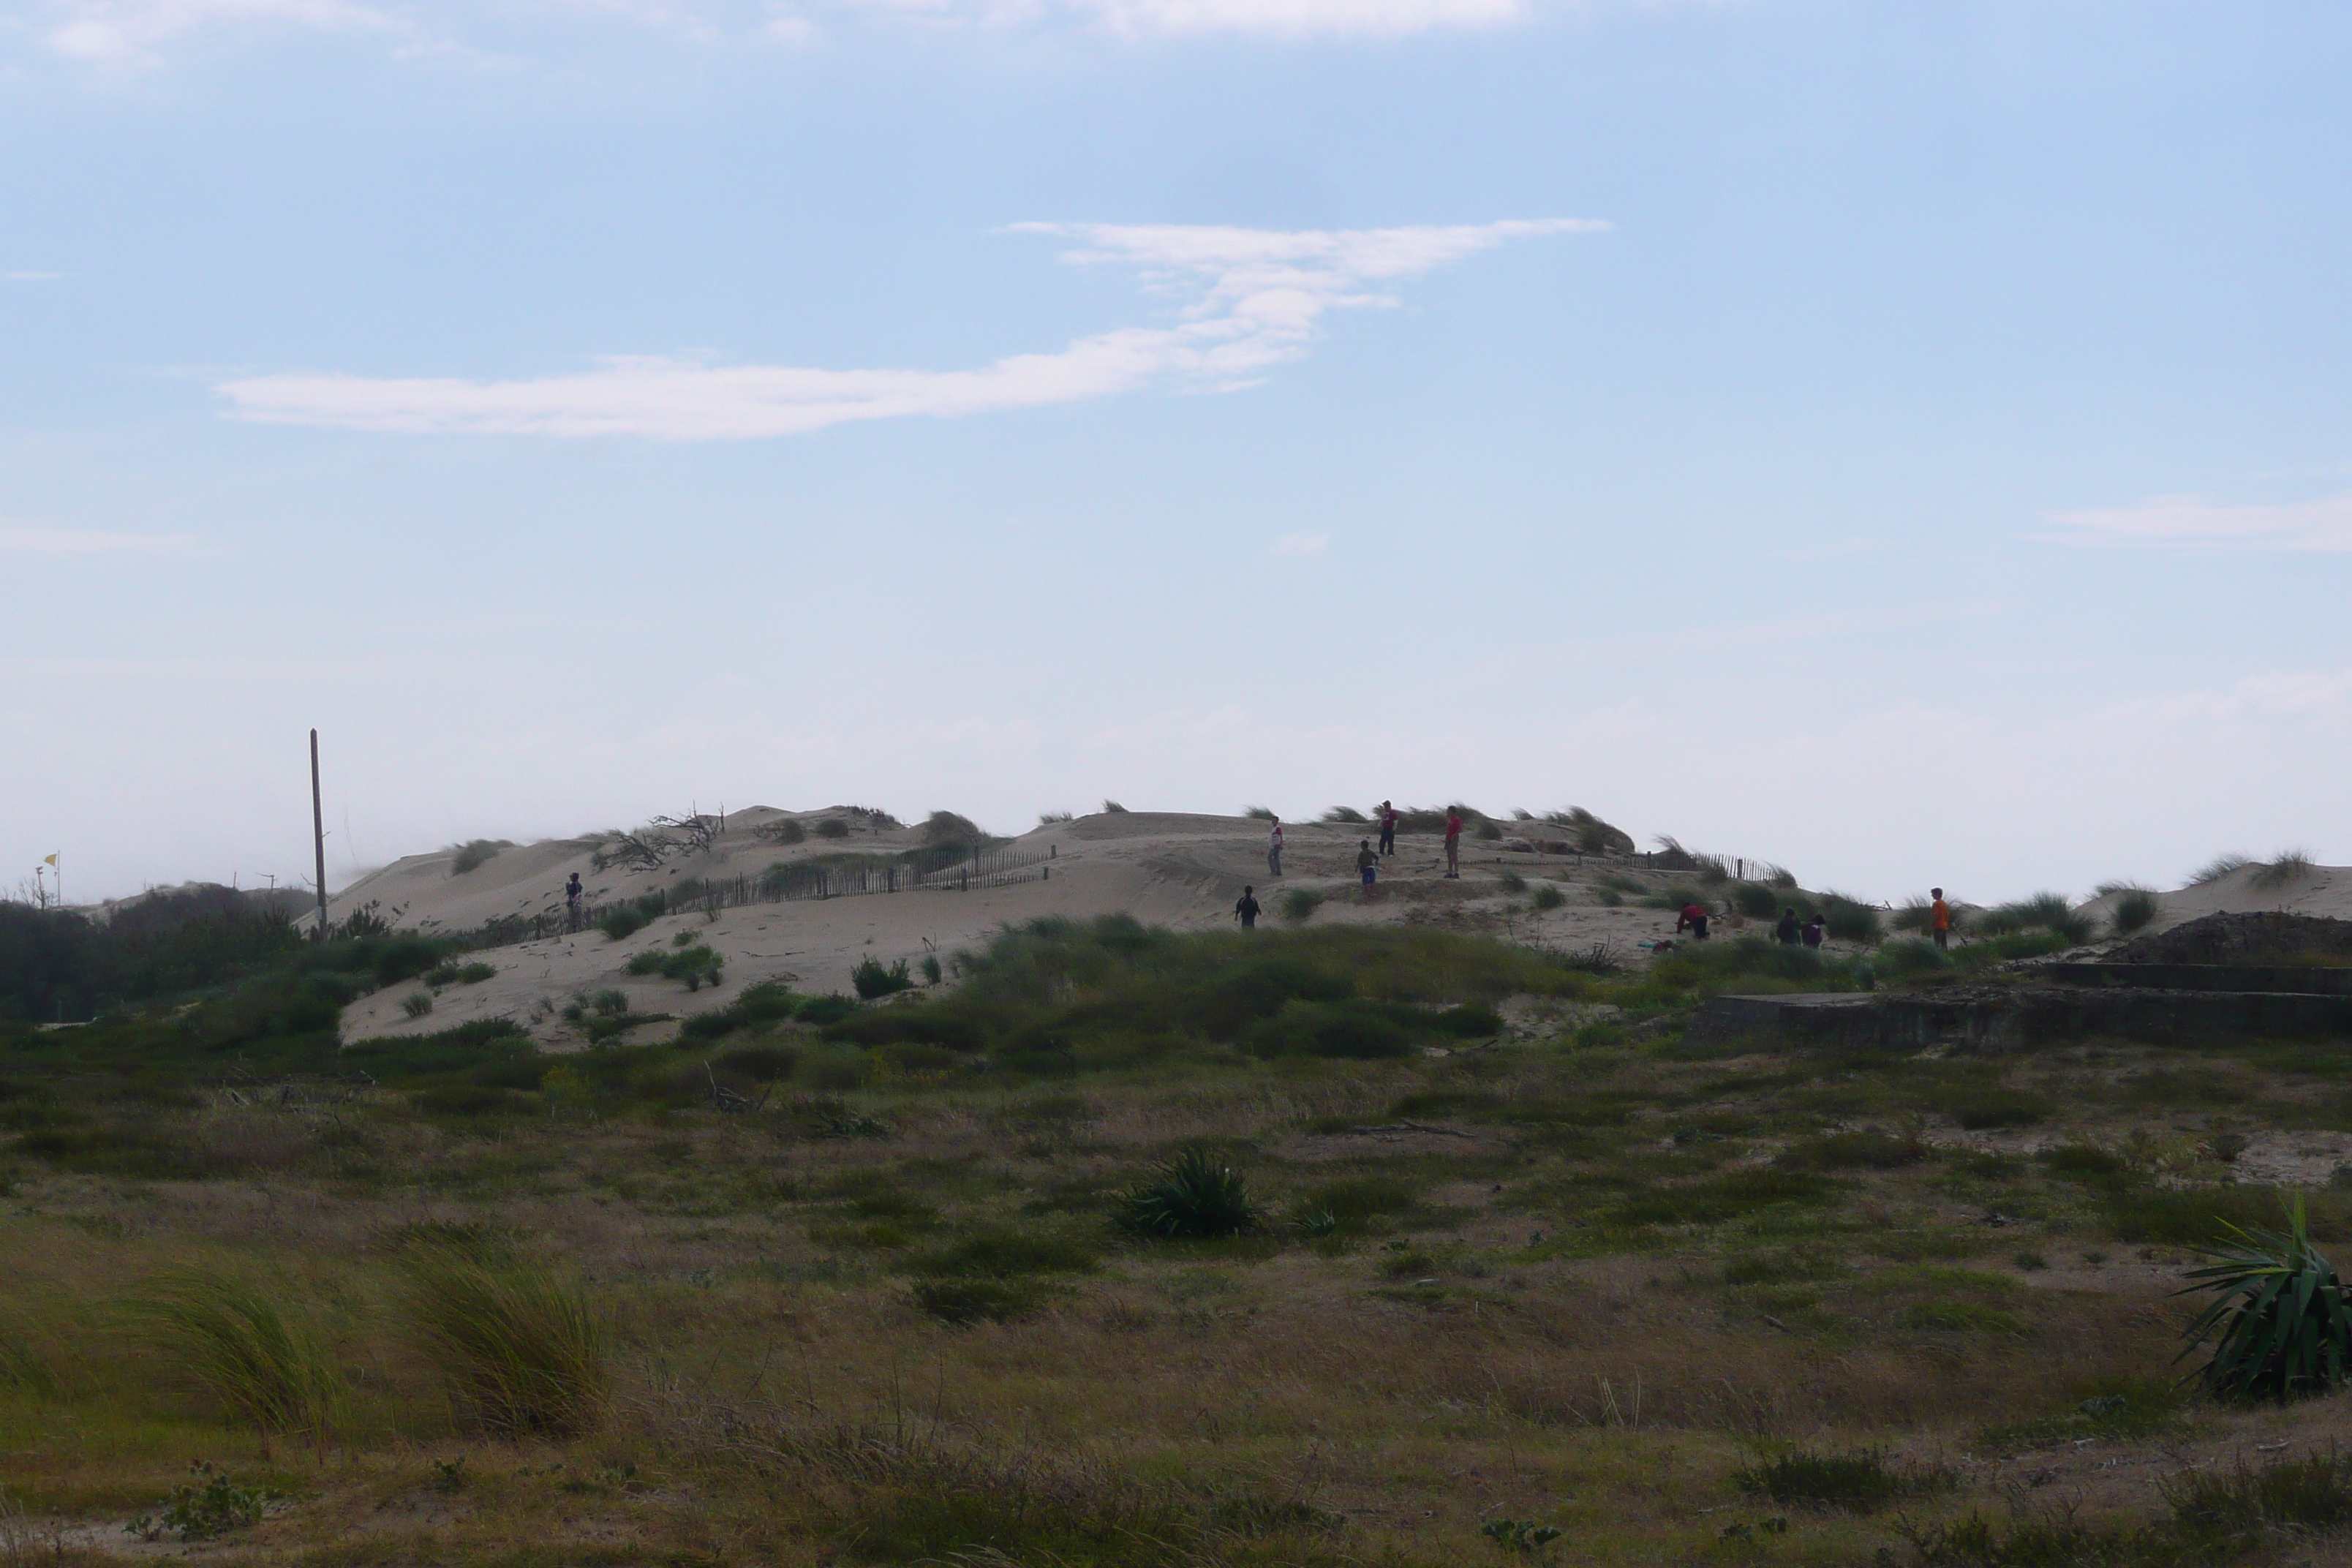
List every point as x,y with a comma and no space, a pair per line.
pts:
416,1003
1755,900
2047,911
1196,1195
871,980
785,830
833,827
1588,833
1849,920
1299,904
693,965
1346,816
2289,866
1857,1481
2219,867
1549,898
1512,882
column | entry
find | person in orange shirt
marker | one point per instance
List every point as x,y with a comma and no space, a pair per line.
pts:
1940,918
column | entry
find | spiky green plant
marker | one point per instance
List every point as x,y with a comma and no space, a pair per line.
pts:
270,1369
1194,1194
2278,1319
520,1346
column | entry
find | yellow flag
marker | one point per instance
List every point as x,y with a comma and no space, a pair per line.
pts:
53,860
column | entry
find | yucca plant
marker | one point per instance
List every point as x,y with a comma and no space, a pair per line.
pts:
1194,1194
268,1368
2279,1318
520,1347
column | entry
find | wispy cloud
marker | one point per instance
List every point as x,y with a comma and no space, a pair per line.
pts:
38,539
1278,19
1300,544
1253,300
114,32
2194,522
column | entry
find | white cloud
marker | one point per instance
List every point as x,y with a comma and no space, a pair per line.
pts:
2194,522
109,32
1254,299
37,539
1300,544
1277,18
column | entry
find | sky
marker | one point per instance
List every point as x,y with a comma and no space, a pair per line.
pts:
1902,441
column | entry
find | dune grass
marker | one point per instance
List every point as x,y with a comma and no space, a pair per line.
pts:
520,1347
264,1364
2285,869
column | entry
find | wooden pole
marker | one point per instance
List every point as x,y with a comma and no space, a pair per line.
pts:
319,834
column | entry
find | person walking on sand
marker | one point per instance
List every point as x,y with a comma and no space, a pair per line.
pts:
1368,865
1247,907
1388,827
571,892
1274,849
1788,930
1691,920
1815,930
1940,918
1453,842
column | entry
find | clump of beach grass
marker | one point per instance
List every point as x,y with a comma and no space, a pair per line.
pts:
269,1368
2284,868
520,1347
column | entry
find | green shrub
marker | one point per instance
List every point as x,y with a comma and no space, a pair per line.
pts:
824,1010
2279,1319
624,922
833,827
271,1370
2294,1498
872,980
1196,1195
1590,834
1548,898
785,830
761,1064
1299,904
1850,920
1512,882
693,966
416,1003
518,1347
931,973
212,1505
1344,815
996,1252
2047,911
1989,1110
2183,1216
1344,1029
1756,901
1853,1150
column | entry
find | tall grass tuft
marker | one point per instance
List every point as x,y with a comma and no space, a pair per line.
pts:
475,853
1194,1194
2136,907
271,1370
2216,868
1258,813
2285,869
2047,911
1113,807
1299,904
520,1347
1343,814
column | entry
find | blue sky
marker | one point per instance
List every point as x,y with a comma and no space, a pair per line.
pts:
1906,441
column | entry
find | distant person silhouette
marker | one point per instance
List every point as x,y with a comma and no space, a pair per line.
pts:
1694,919
1815,930
1388,827
1788,930
571,894
1452,842
1368,865
1940,918
1274,849
1248,909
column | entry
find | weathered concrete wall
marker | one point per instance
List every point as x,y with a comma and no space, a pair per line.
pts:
2317,981
1993,1019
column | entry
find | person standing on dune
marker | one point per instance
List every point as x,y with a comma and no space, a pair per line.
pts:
1368,865
1940,918
1453,842
1274,849
1388,827
1247,907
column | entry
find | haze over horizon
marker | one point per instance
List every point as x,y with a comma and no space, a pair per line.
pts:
1902,441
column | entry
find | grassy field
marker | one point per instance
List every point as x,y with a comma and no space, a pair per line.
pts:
1526,1280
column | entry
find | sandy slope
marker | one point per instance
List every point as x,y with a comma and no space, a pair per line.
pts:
2328,890
1166,868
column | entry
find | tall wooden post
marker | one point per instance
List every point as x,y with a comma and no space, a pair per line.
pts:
319,834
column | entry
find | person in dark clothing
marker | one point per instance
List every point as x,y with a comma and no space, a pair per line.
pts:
1816,930
1787,931
1691,920
1388,827
571,894
1368,864
1248,909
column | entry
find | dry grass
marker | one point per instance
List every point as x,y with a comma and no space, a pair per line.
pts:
1582,1285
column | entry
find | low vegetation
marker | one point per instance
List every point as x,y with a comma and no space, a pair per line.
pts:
1317,1245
